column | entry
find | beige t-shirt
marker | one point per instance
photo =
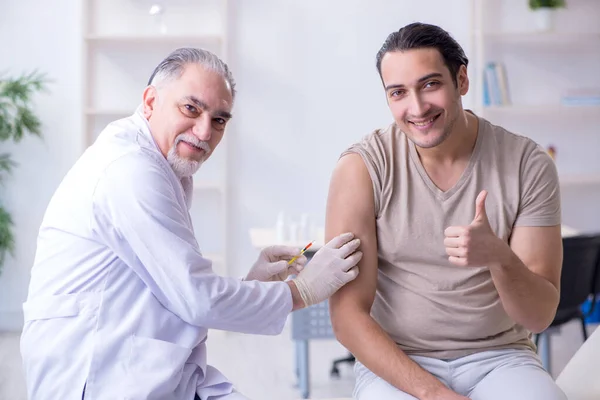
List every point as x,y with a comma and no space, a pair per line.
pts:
427,305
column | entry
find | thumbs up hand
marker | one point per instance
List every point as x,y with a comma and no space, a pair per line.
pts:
474,245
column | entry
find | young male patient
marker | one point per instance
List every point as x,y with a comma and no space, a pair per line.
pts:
459,222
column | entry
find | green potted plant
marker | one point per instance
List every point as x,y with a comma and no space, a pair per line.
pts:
17,119
545,13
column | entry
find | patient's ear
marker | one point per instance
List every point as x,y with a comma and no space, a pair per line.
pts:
462,80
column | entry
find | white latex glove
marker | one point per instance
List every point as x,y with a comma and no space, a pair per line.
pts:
272,264
330,268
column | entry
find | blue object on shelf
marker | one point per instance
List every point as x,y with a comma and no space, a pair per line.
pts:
594,318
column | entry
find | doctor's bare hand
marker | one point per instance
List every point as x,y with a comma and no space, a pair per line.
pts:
475,245
272,264
331,267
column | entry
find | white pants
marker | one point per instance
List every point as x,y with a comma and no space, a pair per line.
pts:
489,375
231,396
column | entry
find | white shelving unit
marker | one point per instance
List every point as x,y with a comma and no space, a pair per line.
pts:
206,40
122,43
580,180
540,66
545,109
550,39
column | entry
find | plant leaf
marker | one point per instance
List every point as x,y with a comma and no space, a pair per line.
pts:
6,163
7,239
16,115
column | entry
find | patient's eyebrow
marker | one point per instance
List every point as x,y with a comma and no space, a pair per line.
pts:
420,80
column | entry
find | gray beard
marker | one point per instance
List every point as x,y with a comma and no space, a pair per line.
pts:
183,167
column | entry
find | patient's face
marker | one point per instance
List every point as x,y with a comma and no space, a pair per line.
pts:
421,94
188,115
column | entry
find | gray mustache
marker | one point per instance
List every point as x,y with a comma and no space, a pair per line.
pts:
193,141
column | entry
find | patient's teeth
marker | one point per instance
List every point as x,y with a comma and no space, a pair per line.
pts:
423,123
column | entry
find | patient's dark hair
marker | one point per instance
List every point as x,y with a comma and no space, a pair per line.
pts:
419,36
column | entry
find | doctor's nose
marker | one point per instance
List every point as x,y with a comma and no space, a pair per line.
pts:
202,129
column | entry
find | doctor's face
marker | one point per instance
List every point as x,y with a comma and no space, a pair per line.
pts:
188,115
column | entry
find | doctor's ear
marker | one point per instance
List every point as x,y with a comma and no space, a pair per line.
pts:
149,100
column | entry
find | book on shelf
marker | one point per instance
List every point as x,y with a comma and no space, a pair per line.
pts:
581,97
495,85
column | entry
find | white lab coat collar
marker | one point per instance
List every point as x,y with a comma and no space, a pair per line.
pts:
187,183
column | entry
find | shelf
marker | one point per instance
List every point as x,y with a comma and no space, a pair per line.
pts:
216,258
538,38
200,186
109,113
261,238
549,109
567,231
580,180
166,39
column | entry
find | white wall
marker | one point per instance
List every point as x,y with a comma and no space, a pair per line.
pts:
32,39
307,89
307,86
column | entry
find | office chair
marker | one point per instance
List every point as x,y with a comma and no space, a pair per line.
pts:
581,260
596,291
589,309
335,372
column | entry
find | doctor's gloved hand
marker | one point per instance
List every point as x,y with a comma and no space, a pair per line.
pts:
331,267
272,264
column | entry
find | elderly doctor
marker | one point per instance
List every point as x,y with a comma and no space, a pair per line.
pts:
121,298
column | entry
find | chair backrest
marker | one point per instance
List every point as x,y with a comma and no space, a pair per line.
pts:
596,288
581,256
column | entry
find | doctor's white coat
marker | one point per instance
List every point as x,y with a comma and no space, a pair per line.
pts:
120,297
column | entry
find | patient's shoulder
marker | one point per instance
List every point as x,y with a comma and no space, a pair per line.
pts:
381,152
377,143
352,169
351,195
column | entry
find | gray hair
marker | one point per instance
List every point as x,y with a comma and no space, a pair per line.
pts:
172,66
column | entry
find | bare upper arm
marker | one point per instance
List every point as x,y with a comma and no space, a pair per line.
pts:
540,249
350,208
